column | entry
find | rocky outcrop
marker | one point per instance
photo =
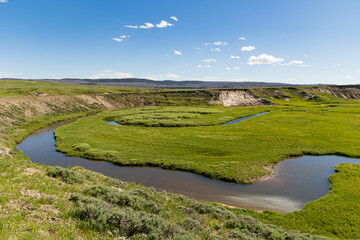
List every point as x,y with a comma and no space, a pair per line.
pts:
237,98
347,92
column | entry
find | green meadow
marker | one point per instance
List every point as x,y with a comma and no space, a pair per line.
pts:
192,139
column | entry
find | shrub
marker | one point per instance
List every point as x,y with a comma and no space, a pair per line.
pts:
81,147
124,222
133,199
94,153
217,212
65,175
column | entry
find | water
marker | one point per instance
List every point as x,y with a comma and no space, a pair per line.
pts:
296,181
243,118
113,123
228,123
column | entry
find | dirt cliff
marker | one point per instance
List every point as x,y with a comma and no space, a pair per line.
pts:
237,98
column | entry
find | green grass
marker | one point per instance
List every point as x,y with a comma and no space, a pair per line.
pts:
235,152
16,88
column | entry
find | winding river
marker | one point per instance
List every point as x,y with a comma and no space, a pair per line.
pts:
296,180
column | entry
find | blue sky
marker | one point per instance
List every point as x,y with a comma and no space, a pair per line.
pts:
294,41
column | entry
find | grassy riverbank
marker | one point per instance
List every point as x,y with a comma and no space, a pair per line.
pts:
235,152
335,215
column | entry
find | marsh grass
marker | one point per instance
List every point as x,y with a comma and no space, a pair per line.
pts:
235,152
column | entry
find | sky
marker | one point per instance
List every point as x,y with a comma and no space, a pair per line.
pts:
290,41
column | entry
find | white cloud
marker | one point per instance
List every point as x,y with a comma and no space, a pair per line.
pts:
242,38
247,48
197,48
215,50
3,1
220,43
298,63
217,43
111,75
174,18
164,24
209,60
131,26
121,38
118,39
8,75
348,77
357,71
264,59
234,57
165,76
233,68
210,78
147,26
203,66
177,52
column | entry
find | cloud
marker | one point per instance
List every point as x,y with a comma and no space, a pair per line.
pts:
147,25
197,48
217,43
165,76
348,77
8,75
3,1
111,75
234,57
121,38
164,24
233,68
131,26
215,50
118,39
209,60
264,59
203,66
247,48
177,52
242,38
295,62
174,18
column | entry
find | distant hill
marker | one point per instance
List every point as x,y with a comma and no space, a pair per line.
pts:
147,83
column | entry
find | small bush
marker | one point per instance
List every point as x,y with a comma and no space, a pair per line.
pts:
66,175
217,212
136,199
94,153
81,147
124,222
